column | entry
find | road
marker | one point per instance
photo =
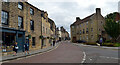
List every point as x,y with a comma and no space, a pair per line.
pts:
68,52
65,53
96,54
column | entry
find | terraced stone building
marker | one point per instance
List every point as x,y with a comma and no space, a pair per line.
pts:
22,22
88,29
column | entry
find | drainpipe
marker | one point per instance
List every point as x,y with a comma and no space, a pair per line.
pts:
42,36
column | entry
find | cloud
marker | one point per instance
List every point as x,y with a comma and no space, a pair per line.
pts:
64,12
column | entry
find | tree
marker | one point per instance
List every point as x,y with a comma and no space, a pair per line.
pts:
111,26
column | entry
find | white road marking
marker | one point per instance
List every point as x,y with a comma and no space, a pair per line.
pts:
90,59
84,58
109,57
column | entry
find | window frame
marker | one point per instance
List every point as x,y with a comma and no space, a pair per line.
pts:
87,30
6,22
21,4
31,11
83,31
33,41
91,29
21,26
32,25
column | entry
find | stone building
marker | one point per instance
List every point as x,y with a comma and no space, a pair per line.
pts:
22,22
88,29
62,34
52,27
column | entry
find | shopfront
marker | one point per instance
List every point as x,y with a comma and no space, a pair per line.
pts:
10,36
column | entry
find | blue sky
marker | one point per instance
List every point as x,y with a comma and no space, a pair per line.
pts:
64,12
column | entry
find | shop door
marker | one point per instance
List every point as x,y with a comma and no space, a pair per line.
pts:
20,42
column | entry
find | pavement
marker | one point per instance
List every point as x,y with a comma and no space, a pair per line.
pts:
22,54
103,47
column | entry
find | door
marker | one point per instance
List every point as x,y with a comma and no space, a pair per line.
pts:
20,43
74,39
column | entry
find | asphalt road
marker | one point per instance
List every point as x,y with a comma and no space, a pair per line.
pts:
67,52
99,54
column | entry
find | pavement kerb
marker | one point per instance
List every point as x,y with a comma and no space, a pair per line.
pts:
103,47
31,54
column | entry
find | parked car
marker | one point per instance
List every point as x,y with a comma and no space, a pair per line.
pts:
80,41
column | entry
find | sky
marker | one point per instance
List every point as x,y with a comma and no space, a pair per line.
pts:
64,12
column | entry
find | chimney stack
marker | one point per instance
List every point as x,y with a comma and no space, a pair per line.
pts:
78,19
98,11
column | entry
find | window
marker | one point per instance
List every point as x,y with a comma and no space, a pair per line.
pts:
33,41
86,30
20,22
43,30
31,11
83,31
80,32
80,38
91,36
83,37
87,37
32,25
87,23
80,25
91,29
4,17
20,5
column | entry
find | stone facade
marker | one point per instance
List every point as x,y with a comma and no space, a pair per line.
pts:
89,28
45,29
52,27
62,34
39,21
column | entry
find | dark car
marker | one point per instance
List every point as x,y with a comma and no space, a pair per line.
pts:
80,41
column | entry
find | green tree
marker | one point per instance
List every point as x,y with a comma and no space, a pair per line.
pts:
111,26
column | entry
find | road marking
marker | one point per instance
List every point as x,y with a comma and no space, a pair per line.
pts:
84,58
90,59
109,57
